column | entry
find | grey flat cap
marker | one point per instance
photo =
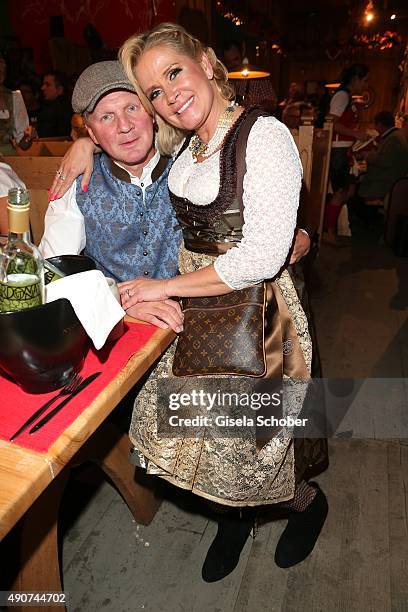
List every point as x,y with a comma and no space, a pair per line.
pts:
96,81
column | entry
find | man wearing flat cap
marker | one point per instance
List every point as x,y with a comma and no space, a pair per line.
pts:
123,219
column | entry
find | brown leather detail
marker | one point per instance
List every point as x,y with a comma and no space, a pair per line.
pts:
294,364
282,349
118,172
273,335
123,175
232,165
209,248
223,334
160,168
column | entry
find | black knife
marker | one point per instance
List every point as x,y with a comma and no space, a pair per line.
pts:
57,408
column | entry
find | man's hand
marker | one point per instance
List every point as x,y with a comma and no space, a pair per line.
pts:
162,314
301,246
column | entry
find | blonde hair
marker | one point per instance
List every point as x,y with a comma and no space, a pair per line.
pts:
177,38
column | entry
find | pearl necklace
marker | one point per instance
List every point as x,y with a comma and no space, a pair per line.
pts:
199,148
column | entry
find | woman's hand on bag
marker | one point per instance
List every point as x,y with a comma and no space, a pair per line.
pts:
77,160
142,290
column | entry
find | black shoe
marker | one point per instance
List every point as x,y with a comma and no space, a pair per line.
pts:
301,533
223,555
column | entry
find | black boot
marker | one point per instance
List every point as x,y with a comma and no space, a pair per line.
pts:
301,533
223,554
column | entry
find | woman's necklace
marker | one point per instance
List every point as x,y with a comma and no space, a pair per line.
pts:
199,148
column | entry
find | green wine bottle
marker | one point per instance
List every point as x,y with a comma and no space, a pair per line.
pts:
21,264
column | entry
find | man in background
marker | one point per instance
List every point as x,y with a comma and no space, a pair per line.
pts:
54,115
389,162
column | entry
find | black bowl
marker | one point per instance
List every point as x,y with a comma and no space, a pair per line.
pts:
41,348
70,264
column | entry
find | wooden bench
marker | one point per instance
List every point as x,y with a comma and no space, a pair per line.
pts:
314,151
46,148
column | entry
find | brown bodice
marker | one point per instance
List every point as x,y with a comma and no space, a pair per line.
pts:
217,226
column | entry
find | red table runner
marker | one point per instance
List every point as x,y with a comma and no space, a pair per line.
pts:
16,405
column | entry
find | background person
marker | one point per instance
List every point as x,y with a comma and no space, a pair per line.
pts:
54,114
296,93
78,126
388,162
345,120
260,91
31,96
14,124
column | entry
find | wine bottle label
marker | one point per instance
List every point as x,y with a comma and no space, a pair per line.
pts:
18,219
51,273
21,291
51,276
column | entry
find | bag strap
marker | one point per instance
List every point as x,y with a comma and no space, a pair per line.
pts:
241,146
184,145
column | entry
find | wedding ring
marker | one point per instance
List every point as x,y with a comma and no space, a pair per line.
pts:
62,178
58,173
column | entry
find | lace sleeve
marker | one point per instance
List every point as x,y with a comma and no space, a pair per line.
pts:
271,197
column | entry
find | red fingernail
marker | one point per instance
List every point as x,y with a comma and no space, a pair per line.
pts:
85,188
50,196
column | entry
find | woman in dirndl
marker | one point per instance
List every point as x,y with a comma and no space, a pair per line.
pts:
184,85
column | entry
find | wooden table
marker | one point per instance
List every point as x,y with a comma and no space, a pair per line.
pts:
31,483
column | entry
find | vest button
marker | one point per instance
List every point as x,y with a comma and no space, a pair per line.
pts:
144,232
142,184
146,273
145,253
141,214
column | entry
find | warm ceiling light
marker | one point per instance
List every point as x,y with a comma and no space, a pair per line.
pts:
393,16
247,72
369,17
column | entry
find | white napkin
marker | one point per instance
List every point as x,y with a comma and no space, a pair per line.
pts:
92,300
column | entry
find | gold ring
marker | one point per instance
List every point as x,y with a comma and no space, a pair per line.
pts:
61,177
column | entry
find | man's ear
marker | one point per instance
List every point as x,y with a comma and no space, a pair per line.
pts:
206,66
92,135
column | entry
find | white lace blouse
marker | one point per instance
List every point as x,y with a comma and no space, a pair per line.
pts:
271,197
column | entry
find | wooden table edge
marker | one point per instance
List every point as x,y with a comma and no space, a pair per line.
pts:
49,464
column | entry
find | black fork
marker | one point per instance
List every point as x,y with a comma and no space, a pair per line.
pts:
69,388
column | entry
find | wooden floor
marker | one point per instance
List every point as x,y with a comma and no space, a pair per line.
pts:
361,560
